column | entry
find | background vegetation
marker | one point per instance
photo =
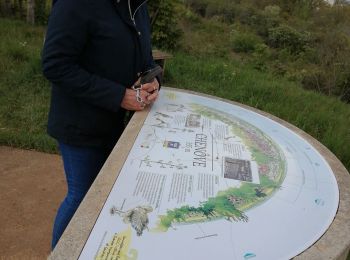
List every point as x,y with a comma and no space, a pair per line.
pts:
305,41
288,58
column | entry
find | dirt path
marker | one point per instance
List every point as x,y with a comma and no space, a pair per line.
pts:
32,186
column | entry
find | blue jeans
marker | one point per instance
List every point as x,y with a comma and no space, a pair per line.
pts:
81,166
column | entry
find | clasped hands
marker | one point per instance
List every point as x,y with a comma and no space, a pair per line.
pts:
139,96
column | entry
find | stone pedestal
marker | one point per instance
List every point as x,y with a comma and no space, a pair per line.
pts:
334,244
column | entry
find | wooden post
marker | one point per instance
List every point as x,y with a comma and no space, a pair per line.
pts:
160,57
31,12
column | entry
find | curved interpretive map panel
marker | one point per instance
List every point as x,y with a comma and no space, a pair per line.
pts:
206,179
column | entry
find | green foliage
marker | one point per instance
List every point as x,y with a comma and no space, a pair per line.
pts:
198,6
245,42
246,14
267,19
225,11
305,41
261,56
332,73
216,207
17,53
300,8
165,31
286,37
260,20
205,36
41,12
24,93
272,11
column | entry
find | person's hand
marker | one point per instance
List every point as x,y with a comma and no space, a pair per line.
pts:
148,93
152,88
130,102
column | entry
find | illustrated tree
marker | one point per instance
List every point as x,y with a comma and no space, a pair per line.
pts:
208,209
224,208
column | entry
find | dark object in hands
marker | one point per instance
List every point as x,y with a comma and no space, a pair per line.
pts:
149,75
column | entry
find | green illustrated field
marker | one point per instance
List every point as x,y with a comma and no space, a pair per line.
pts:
231,204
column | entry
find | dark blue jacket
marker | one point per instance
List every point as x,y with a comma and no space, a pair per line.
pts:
93,51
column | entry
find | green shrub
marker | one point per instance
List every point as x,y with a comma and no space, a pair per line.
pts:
245,42
246,15
225,11
331,68
198,6
272,11
191,17
259,20
261,56
286,37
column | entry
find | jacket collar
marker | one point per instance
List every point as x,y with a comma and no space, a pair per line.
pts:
123,9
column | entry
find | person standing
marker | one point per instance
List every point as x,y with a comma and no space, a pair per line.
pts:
94,53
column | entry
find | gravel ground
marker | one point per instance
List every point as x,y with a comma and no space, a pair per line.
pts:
32,185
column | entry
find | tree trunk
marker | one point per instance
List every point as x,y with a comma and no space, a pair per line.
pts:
7,8
31,12
21,9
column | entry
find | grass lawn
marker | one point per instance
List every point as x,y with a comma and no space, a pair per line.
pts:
24,93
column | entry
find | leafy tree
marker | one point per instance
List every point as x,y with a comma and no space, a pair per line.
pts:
165,32
208,209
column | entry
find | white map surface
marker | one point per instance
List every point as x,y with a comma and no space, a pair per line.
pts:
206,179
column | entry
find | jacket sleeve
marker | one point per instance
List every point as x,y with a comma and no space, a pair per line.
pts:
66,37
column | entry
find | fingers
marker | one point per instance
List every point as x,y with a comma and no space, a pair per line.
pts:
149,98
140,96
130,101
151,87
151,91
153,97
144,97
137,100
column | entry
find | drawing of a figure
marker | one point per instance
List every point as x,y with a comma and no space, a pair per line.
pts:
137,217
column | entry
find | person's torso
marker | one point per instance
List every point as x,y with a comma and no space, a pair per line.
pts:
117,48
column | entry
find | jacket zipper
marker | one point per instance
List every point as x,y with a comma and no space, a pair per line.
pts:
132,16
